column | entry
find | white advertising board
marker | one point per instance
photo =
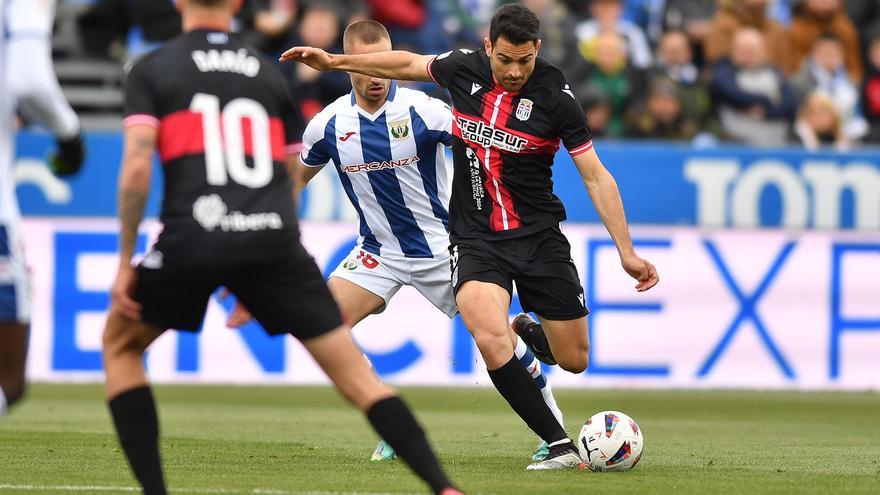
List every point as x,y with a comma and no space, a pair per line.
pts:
743,309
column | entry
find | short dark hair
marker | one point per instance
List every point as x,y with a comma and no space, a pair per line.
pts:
516,24
209,3
366,32
829,36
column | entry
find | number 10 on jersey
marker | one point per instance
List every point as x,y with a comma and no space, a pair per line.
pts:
223,135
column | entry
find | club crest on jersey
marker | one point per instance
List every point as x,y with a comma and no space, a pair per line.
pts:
399,129
524,109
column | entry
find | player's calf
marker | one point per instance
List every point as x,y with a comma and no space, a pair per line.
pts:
13,351
124,343
340,358
562,342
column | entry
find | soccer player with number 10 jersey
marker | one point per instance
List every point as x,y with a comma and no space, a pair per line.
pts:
227,134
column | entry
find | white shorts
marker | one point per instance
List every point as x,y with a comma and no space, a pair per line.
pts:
432,277
15,287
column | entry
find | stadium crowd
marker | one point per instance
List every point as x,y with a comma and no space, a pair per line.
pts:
757,72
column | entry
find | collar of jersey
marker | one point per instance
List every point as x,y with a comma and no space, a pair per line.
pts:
392,91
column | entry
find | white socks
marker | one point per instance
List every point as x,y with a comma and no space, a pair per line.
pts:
533,366
2,403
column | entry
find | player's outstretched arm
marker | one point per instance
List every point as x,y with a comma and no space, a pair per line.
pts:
606,198
396,64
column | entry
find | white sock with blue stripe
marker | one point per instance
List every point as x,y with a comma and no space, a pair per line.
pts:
2,403
533,366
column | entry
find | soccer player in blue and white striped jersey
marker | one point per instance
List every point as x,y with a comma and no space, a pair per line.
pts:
28,85
387,144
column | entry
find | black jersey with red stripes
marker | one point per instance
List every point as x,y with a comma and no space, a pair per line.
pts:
503,146
226,125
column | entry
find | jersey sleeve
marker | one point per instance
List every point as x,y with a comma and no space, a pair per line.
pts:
438,119
572,124
315,151
141,104
443,67
28,19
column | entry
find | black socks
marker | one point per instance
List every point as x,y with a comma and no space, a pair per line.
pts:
134,415
520,391
395,423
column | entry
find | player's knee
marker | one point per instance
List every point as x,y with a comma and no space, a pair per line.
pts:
487,332
575,361
120,337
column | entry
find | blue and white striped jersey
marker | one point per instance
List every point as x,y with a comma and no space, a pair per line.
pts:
392,167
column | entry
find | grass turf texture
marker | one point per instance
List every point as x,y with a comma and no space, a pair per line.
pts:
302,440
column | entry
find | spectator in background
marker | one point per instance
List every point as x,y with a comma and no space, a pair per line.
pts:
613,78
811,20
865,15
403,19
559,45
871,88
780,11
824,71
734,15
266,24
319,26
597,109
675,66
607,17
755,102
120,29
660,116
819,124
691,16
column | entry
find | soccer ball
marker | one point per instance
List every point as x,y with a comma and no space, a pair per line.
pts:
610,441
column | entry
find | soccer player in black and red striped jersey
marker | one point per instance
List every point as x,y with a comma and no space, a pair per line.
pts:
511,111
227,134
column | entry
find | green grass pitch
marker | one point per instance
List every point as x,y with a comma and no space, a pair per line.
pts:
286,440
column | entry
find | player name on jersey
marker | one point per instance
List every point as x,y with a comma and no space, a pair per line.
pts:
235,61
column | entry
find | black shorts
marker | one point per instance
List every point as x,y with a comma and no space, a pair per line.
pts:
540,264
288,295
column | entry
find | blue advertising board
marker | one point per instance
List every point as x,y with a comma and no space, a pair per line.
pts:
661,184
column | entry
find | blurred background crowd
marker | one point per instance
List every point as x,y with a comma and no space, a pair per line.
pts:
756,72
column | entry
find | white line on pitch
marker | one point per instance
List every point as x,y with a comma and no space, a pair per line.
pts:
103,488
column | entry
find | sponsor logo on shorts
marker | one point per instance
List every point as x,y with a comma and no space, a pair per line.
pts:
453,261
153,260
368,260
350,265
211,212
